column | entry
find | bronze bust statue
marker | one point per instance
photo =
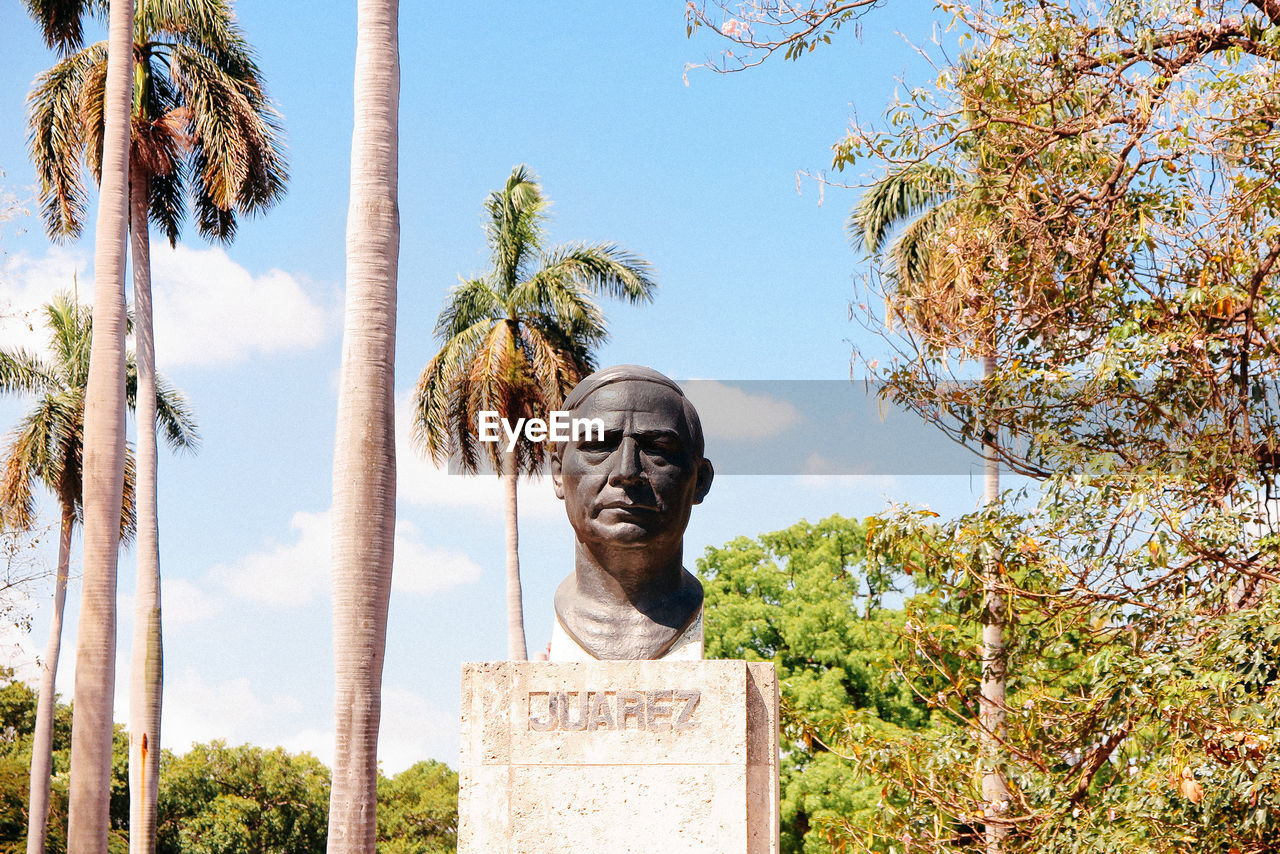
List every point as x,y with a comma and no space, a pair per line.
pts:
628,497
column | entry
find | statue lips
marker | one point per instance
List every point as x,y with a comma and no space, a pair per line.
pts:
634,512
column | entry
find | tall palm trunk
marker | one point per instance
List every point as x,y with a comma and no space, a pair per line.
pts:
995,791
104,440
364,472
146,670
516,650
42,741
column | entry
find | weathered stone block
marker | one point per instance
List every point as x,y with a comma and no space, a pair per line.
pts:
618,756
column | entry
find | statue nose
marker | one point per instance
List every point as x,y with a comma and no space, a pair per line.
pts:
628,468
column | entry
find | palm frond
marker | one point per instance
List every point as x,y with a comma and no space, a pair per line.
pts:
208,26
61,21
221,123
166,207
606,269
498,381
22,371
896,198
212,221
159,139
911,251
577,341
515,226
557,364
128,502
467,304
175,417
553,292
22,468
70,328
496,370
57,137
441,384
93,117
237,142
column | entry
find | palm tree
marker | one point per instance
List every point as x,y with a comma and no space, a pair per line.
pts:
516,341
202,127
47,447
104,429
364,460
903,220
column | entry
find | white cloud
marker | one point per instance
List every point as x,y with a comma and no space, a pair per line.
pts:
317,742
209,310
424,569
185,603
293,573
198,711
28,282
412,729
833,480
729,413
283,573
818,465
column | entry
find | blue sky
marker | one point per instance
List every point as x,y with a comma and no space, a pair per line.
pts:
700,178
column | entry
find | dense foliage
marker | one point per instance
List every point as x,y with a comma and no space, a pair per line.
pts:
805,599
17,724
219,799
418,810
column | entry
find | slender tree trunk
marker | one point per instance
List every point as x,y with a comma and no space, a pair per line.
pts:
146,669
364,465
42,740
995,791
516,650
104,438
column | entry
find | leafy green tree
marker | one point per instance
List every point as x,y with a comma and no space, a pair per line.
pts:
418,810
807,599
516,341
217,799
47,449
18,715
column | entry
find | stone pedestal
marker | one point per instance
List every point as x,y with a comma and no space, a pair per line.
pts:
619,756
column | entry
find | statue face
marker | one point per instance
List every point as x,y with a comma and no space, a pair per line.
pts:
636,486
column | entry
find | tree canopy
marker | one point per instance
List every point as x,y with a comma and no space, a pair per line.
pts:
807,599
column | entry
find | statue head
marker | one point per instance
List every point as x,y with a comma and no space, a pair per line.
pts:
634,487
628,493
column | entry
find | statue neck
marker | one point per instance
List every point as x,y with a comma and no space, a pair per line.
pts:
627,604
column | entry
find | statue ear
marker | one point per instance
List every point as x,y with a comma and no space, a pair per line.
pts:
557,483
706,474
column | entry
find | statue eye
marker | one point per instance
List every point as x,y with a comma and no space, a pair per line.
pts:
597,446
662,445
